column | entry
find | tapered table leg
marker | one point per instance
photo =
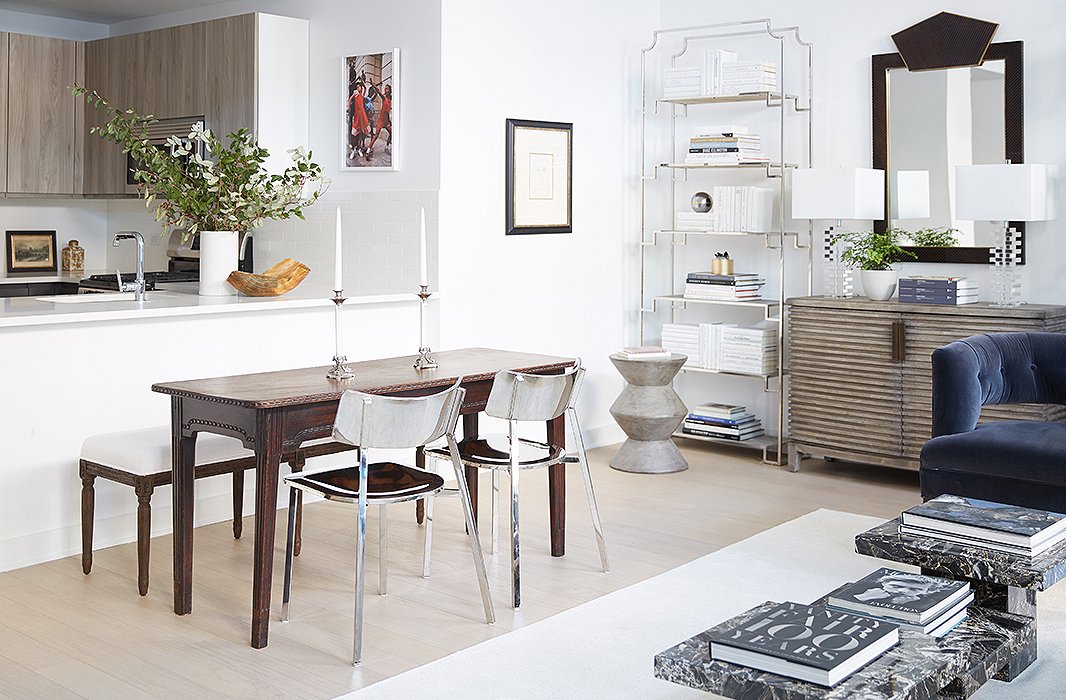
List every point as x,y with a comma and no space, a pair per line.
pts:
183,462
557,489
470,431
267,465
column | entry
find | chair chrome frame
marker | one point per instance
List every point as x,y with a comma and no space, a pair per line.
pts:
517,397
370,421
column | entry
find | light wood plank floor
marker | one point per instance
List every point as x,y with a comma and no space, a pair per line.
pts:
63,634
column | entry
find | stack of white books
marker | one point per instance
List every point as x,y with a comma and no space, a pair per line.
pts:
737,209
725,145
682,81
714,61
749,77
749,350
682,338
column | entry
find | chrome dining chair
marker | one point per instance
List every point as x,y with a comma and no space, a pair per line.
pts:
372,422
517,397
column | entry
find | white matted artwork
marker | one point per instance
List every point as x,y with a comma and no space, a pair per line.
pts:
371,89
539,175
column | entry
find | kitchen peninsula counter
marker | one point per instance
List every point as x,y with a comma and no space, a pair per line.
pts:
169,300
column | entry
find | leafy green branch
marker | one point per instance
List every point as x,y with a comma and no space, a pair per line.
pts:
228,190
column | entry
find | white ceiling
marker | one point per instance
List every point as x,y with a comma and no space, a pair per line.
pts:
104,11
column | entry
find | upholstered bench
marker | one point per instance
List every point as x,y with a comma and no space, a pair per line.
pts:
141,459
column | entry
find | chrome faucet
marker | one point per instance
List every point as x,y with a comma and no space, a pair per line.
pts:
137,286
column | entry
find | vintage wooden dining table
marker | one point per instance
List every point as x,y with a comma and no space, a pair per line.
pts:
272,413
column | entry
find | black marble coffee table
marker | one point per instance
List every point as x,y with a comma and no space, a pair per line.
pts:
920,667
1000,580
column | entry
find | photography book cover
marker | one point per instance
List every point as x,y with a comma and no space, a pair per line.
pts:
805,634
899,591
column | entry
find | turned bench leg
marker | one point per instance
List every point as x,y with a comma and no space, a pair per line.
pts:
88,513
144,491
238,503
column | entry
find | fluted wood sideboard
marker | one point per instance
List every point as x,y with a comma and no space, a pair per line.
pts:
860,385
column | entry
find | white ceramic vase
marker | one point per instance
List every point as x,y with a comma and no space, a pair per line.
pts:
218,258
879,285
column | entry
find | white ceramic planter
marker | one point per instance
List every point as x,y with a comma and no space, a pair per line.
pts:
879,285
218,258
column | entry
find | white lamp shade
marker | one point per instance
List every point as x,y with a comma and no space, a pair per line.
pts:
838,193
1009,192
910,196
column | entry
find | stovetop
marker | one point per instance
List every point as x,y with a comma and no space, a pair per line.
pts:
151,279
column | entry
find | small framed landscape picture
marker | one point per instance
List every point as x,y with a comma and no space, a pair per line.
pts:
371,111
31,251
539,177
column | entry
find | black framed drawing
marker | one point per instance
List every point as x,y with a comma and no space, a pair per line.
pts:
31,251
539,177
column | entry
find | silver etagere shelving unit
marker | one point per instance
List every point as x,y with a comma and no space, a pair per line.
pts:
785,246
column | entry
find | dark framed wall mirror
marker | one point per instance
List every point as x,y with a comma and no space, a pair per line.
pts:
949,97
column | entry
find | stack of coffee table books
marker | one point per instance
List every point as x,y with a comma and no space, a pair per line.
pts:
926,604
1023,531
808,642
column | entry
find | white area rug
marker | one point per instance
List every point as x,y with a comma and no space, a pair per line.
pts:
604,648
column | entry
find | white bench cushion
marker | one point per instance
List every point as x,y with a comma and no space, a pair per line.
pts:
147,451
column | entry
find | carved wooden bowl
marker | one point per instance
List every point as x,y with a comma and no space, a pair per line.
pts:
278,279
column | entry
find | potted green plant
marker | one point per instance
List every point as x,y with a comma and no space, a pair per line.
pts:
205,187
874,252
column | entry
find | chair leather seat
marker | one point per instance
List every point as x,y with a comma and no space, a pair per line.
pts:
492,452
386,482
147,450
1031,451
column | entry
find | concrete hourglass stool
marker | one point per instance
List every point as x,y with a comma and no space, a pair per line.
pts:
649,411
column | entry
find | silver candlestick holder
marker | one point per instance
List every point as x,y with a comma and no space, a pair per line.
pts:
425,360
340,369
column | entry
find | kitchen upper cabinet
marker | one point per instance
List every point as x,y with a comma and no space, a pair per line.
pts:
248,71
40,115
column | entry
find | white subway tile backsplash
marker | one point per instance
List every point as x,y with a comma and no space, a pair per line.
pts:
380,239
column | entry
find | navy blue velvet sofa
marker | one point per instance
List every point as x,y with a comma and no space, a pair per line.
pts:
1017,462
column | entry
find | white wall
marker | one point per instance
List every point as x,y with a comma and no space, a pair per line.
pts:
845,36
561,294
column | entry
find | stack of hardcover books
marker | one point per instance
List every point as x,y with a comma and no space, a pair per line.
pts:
680,82
645,352
808,642
1026,532
954,291
749,350
739,78
926,604
725,145
740,209
743,286
722,422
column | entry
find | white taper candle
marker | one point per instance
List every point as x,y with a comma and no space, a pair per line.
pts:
337,281
423,275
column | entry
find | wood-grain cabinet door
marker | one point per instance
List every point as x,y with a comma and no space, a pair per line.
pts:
231,59
41,141
845,381
925,333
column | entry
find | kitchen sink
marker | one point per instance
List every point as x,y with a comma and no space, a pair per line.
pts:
99,297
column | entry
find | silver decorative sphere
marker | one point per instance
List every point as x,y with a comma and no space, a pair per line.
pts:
701,202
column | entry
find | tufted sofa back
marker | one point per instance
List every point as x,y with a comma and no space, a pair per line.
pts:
995,368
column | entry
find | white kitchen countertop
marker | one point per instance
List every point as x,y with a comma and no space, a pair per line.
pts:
36,277
170,300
